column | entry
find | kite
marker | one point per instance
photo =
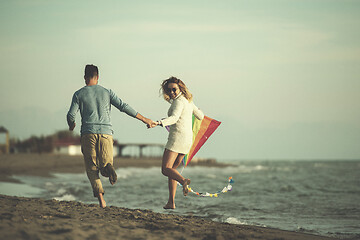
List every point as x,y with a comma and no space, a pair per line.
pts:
202,130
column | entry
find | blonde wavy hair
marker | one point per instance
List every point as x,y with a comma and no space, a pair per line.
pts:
164,90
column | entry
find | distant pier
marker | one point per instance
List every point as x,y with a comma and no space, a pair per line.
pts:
139,149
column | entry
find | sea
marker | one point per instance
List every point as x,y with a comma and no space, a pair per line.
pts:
318,197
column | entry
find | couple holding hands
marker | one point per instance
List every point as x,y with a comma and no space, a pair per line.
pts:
94,103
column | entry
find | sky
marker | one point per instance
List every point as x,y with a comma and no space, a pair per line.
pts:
282,76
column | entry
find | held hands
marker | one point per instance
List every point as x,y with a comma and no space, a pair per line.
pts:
150,123
153,124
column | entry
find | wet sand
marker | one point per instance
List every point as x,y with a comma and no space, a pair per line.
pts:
32,218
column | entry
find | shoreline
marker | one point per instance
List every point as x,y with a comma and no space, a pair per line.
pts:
35,218
45,164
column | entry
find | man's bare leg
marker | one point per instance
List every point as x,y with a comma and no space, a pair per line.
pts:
102,202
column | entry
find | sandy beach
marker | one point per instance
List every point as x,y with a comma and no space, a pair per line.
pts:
32,218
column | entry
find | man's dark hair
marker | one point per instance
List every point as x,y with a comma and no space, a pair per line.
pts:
91,71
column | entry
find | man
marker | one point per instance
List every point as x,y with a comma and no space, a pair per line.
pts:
94,103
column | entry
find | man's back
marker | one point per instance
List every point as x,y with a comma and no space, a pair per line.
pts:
95,103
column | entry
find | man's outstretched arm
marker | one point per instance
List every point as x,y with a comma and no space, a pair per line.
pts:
124,107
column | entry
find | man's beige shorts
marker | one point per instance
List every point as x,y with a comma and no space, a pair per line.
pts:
98,152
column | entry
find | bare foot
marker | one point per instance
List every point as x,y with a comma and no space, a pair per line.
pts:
169,206
112,173
185,187
102,202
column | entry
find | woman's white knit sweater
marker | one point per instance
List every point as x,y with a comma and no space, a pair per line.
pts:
180,122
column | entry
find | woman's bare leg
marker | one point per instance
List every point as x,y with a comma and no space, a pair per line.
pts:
168,161
173,184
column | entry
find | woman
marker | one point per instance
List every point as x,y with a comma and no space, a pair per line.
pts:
180,135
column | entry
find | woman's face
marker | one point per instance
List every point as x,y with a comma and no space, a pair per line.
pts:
173,90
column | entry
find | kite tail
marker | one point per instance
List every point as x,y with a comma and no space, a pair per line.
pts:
228,188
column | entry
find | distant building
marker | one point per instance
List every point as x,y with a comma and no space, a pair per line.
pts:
4,141
68,146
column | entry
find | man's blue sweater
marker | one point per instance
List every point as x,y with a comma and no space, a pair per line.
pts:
94,103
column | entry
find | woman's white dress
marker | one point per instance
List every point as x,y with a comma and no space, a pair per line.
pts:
180,122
